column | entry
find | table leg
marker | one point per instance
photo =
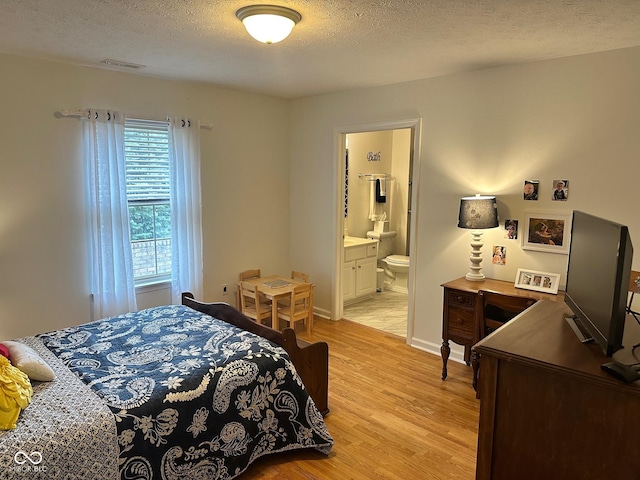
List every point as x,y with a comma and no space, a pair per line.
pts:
444,351
310,319
275,323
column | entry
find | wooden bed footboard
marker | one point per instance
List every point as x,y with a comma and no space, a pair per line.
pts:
310,359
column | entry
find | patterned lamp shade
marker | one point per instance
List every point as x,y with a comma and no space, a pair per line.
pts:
478,213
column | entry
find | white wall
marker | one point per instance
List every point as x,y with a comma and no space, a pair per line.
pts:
485,131
482,132
245,170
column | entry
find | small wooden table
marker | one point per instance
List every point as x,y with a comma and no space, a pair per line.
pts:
276,293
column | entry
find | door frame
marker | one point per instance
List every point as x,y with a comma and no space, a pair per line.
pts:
340,134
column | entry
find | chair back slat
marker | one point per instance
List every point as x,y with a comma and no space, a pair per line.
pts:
247,274
303,277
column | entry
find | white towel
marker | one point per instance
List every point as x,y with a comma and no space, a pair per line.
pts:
372,199
383,186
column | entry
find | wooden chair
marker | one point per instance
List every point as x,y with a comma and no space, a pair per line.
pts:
634,287
303,277
495,309
251,304
298,307
246,275
299,276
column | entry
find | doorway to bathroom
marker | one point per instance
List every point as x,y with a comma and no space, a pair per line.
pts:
378,181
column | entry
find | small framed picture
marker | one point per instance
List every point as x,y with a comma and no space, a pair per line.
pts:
560,190
530,189
537,281
547,232
511,229
499,255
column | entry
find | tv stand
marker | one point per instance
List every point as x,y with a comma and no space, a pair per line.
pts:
578,329
548,410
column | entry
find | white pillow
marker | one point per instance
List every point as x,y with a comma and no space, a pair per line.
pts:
25,359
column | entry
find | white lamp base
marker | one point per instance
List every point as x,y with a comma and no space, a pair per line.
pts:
475,270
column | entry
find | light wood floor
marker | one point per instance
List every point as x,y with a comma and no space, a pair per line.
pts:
392,417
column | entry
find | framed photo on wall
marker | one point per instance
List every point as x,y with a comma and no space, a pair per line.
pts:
511,228
530,189
560,190
537,281
547,232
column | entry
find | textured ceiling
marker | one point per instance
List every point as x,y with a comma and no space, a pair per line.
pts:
338,45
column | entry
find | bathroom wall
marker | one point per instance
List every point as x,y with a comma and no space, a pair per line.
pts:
399,188
393,148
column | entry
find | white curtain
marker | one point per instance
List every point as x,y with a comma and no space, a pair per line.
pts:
186,211
111,264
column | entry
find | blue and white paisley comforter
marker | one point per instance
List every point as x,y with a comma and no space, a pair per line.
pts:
193,397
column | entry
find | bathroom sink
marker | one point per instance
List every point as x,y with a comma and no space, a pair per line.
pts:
351,241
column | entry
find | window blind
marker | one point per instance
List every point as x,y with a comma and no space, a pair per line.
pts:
146,144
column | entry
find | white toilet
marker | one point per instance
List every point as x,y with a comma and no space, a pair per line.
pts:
396,267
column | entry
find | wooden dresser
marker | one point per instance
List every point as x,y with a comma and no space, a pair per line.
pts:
460,312
547,410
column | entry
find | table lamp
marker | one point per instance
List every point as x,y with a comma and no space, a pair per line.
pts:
477,213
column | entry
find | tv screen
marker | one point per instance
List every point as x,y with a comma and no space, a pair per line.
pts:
600,258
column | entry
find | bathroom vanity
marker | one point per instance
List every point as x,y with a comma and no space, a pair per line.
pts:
359,269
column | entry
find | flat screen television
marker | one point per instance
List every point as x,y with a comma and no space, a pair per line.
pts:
600,258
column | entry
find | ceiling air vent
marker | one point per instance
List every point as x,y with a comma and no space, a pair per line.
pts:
120,63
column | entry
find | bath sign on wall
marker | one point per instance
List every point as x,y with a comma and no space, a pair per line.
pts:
373,157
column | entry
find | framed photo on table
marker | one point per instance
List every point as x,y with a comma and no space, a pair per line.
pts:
537,281
547,232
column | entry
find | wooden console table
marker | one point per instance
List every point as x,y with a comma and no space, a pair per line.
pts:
461,312
547,410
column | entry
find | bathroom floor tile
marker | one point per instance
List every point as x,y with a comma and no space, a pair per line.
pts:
386,311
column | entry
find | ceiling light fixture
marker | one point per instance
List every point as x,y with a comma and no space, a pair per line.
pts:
268,23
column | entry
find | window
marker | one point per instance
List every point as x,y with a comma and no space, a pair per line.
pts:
146,145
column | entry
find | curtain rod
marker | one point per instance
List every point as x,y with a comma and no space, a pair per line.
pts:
80,114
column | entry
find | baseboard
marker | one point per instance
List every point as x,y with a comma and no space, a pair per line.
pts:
322,313
396,288
353,301
457,355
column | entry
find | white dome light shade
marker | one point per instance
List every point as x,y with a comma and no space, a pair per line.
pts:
268,28
268,23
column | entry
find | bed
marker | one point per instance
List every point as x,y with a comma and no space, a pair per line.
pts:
196,390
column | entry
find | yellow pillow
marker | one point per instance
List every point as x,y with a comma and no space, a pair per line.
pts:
15,394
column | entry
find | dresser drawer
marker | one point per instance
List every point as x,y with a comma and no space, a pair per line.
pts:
457,298
461,325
